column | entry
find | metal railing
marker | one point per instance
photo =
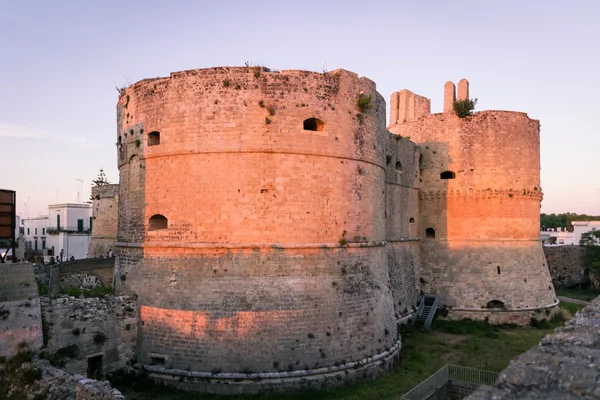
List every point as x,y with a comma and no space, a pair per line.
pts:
447,374
471,375
68,229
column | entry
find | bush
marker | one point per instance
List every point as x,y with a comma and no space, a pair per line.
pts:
42,289
59,357
364,102
74,291
464,108
99,338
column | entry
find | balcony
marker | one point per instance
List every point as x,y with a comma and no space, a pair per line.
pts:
68,229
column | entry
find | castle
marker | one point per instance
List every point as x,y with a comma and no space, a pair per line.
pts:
275,231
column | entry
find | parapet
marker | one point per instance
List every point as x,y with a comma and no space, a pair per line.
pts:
405,106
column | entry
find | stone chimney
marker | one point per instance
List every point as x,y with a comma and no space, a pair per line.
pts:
449,96
463,90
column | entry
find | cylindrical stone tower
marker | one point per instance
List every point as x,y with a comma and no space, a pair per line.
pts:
480,202
251,227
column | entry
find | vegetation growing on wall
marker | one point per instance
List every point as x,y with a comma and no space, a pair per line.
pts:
464,108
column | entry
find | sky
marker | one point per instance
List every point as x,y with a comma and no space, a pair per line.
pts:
61,61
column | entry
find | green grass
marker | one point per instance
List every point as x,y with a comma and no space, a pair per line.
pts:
572,308
586,294
467,343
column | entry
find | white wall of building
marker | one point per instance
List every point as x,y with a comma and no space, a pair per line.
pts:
35,233
571,238
69,245
70,217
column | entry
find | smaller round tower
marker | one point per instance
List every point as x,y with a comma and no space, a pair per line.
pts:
480,202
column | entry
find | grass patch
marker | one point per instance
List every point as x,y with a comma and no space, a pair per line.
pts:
585,293
468,343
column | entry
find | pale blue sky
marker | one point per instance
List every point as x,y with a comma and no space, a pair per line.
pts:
60,62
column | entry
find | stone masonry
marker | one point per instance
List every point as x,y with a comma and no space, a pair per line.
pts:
102,327
274,231
565,365
20,317
105,204
480,199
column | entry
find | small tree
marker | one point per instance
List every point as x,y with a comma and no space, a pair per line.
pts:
464,108
590,244
101,179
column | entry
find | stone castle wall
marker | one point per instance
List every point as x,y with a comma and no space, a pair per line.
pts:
20,317
564,263
79,321
275,258
105,206
481,226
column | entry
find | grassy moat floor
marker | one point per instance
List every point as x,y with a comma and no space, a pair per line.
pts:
466,343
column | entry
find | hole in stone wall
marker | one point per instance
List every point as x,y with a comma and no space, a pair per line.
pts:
412,220
498,268
153,138
158,222
495,304
157,360
447,175
398,166
430,233
314,124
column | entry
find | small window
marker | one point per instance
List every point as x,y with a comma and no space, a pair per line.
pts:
314,124
153,138
447,175
430,233
36,231
43,231
398,166
498,269
157,222
412,220
495,304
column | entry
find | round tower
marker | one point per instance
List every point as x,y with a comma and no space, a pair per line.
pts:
250,227
480,202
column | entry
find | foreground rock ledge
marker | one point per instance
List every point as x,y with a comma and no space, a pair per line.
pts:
565,365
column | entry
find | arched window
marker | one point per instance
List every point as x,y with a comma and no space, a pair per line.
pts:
314,124
430,233
495,304
398,166
412,220
157,222
447,175
153,138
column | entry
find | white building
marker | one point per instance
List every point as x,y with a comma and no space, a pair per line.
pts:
563,237
35,235
69,230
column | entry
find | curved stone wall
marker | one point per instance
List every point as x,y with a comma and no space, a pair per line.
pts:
480,204
274,257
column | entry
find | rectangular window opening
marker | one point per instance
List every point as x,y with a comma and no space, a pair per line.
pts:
157,360
94,369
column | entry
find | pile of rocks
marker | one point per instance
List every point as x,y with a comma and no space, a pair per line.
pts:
37,379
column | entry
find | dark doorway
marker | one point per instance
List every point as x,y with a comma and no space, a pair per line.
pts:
94,369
